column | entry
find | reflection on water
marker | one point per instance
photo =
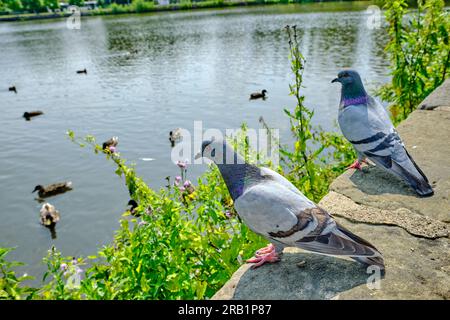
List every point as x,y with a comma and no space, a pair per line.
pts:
146,75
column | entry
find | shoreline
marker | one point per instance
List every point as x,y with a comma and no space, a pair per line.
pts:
122,10
129,10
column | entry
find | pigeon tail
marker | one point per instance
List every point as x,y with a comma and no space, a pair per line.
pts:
424,189
376,259
342,242
418,183
372,261
407,170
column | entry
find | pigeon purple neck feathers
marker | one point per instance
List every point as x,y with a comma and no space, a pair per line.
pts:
357,100
238,177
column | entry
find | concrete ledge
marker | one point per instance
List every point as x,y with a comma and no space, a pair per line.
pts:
411,232
414,223
416,268
439,97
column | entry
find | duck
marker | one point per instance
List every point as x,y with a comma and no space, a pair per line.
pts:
53,189
258,95
28,115
49,215
134,205
82,71
174,136
13,89
111,144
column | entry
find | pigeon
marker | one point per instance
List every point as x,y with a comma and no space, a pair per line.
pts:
274,208
366,124
258,95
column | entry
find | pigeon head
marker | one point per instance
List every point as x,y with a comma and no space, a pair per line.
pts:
348,77
352,86
211,149
37,188
219,152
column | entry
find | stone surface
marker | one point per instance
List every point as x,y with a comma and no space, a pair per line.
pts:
411,232
416,224
439,97
416,268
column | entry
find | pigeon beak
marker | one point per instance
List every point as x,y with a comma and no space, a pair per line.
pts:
335,80
198,155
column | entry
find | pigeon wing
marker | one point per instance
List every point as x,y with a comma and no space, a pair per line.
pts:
270,208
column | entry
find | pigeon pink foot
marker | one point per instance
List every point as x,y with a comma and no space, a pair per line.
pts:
270,247
356,165
265,255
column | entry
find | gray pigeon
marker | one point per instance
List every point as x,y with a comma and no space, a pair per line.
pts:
274,208
366,124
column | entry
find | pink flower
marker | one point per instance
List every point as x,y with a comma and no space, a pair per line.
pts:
182,164
112,149
63,267
228,214
177,180
187,184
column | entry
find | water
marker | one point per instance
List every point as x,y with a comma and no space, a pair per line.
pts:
199,65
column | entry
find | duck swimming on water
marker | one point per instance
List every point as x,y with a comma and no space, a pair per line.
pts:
29,115
12,89
111,144
174,136
82,71
49,215
53,189
258,95
134,205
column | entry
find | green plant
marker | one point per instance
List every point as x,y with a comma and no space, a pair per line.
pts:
142,5
311,165
64,275
11,286
419,51
117,8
